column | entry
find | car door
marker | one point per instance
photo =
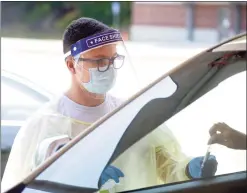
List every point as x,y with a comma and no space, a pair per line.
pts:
188,111
229,183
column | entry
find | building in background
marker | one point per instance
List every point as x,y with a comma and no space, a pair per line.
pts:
207,22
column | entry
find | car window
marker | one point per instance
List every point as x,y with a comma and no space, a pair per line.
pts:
226,103
17,104
185,136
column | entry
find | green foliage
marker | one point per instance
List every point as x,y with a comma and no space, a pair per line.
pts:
51,17
98,10
66,19
38,11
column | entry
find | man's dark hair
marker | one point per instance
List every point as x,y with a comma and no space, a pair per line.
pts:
81,28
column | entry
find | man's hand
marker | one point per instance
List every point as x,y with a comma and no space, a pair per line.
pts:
110,173
222,134
195,171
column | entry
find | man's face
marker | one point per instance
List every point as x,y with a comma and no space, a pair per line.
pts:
83,66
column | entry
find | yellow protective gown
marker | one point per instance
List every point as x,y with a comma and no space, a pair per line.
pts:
154,160
47,123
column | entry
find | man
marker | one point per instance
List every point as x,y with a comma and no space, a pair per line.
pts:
223,134
93,60
93,74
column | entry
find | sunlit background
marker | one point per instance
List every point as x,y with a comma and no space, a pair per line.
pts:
158,36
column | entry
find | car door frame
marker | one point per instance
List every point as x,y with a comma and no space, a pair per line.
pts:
226,183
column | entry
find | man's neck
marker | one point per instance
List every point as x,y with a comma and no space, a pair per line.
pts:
82,97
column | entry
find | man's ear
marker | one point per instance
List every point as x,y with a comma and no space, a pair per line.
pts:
70,65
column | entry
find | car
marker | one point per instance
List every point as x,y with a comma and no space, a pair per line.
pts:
210,87
19,99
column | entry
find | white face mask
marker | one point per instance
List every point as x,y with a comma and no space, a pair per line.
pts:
100,82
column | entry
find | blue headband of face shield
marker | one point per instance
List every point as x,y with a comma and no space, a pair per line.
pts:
94,41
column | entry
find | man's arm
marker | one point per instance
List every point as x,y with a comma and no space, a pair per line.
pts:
48,147
19,162
173,165
170,161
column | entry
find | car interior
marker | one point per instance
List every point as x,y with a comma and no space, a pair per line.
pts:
202,80
194,78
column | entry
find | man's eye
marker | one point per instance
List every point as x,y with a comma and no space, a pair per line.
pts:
100,61
103,62
95,62
92,62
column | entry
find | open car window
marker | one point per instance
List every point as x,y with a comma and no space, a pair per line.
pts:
185,136
191,81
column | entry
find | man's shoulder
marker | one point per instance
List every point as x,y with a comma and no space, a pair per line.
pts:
42,118
43,112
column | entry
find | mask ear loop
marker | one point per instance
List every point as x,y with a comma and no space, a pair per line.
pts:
76,59
76,62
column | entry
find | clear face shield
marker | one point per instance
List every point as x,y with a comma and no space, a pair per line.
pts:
103,66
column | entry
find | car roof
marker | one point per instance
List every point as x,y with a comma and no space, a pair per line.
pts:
14,78
236,44
191,75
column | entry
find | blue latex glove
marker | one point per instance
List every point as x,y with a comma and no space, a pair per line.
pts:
110,173
194,169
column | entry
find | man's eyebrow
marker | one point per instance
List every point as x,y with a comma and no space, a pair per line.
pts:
104,56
